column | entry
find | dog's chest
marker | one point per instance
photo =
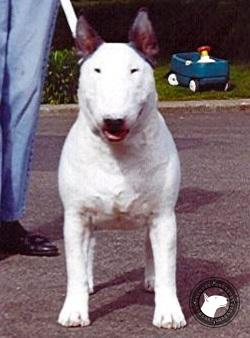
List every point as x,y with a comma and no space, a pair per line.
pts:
120,187
122,201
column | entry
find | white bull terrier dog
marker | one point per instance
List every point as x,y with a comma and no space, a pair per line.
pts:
119,165
212,304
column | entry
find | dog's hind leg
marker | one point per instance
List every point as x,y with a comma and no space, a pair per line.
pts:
90,262
76,237
168,313
149,274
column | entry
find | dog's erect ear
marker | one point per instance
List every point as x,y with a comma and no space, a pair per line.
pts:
87,40
142,36
206,297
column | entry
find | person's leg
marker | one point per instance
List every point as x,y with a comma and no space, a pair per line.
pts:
4,23
31,25
31,28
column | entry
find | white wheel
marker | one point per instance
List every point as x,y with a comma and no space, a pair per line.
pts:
194,86
172,79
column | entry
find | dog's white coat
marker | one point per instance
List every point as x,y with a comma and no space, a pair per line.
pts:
134,182
212,304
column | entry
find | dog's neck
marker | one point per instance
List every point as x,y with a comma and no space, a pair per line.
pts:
208,310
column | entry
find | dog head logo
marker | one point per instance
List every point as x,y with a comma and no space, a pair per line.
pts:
116,86
212,304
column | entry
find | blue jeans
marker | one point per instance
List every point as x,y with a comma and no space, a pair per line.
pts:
26,28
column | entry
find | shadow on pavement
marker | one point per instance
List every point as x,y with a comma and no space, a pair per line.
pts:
189,273
191,199
135,296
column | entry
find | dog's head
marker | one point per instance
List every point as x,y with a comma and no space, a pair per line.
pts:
116,87
216,301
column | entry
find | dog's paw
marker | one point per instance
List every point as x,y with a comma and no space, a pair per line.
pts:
169,316
73,316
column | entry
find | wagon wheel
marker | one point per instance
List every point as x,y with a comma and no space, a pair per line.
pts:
172,79
194,85
226,86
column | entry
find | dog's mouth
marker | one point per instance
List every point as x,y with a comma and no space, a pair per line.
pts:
115,130
115,135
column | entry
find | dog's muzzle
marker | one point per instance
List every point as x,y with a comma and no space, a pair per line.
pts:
115,130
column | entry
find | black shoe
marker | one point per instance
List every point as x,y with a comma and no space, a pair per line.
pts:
14,239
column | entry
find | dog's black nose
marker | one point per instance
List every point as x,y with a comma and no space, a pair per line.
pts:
114,125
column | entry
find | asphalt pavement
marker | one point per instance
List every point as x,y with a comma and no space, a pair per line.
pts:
213,237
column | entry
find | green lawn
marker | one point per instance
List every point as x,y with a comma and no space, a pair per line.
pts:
239,79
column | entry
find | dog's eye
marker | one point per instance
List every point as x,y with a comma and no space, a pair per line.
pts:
97,70
134,70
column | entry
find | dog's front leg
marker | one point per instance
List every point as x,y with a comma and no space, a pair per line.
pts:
168,313
76,238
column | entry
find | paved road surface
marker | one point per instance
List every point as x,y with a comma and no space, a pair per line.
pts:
213,235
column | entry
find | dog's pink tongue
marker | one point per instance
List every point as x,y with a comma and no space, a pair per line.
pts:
116,137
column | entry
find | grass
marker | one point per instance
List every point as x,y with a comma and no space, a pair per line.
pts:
239,79
62,82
